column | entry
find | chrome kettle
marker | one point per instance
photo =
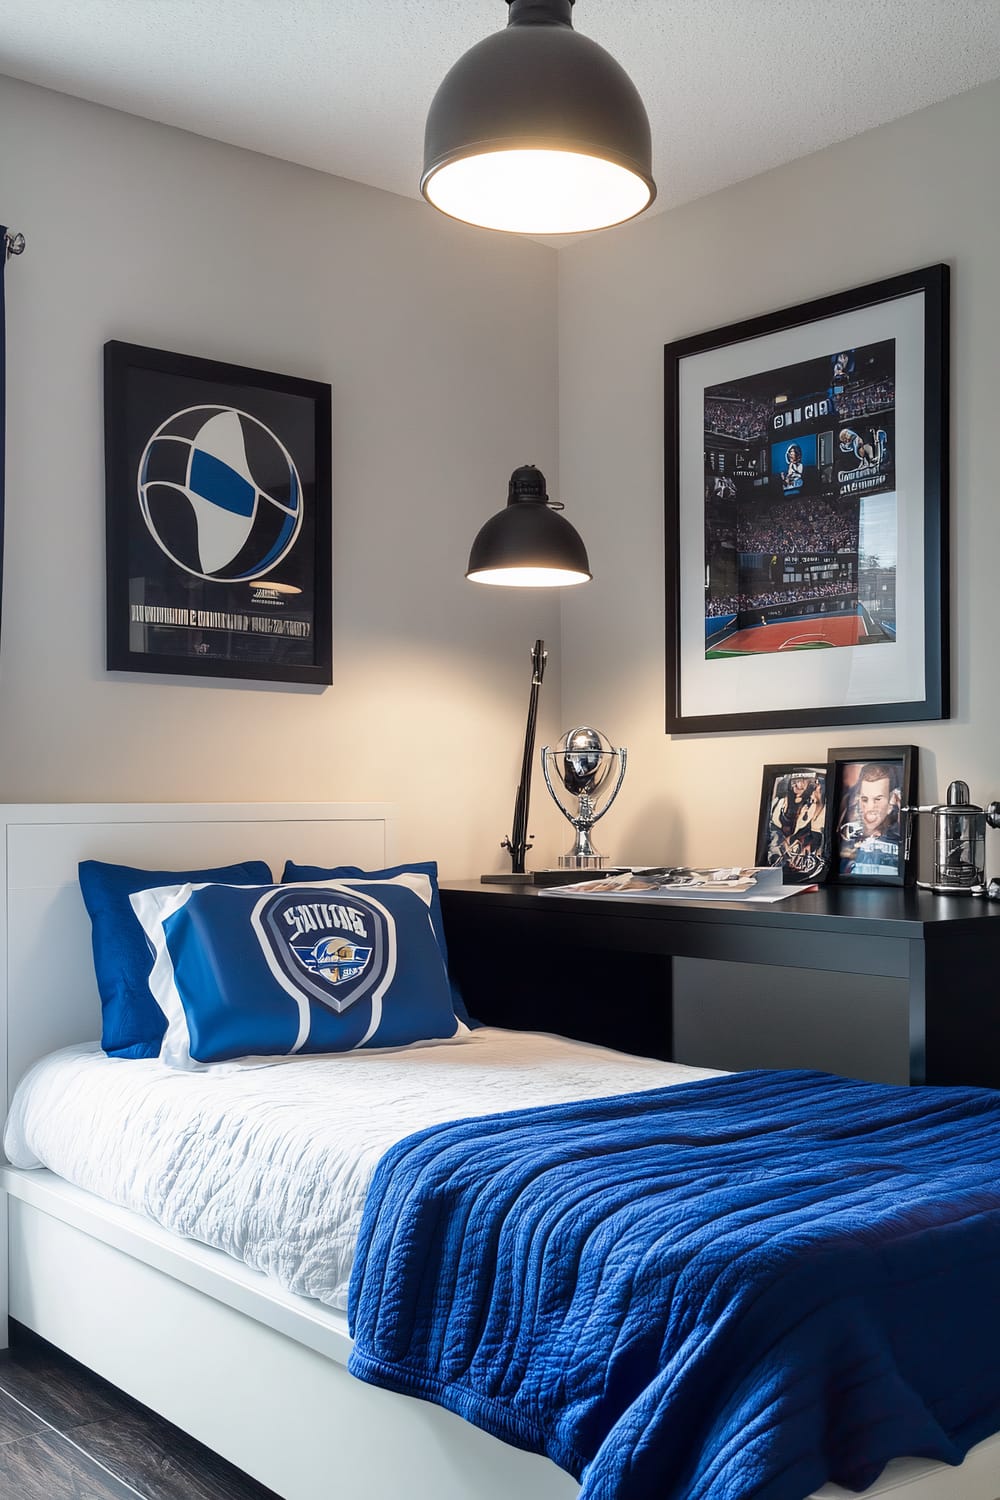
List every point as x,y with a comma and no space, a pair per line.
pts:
960,844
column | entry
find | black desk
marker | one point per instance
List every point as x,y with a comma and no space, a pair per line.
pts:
603,968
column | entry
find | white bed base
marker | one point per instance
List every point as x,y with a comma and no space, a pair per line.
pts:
256,1373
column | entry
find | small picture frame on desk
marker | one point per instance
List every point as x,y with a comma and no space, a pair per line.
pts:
869,788
793,826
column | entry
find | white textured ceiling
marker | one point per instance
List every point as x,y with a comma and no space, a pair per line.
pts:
732,86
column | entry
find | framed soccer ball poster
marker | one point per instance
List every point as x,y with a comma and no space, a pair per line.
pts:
219,530
806,513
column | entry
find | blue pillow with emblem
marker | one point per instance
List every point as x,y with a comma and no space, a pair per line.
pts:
271,971
427,867
132,1023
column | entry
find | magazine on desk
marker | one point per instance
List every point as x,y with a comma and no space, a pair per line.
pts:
671,883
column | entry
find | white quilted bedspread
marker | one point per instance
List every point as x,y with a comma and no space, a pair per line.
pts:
271,1163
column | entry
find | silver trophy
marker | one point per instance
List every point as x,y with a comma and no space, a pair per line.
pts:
585,762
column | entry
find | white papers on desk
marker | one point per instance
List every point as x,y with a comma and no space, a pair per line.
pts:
761,885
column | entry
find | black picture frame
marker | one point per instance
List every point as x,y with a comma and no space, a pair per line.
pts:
853,521
882,854
219,519
793,823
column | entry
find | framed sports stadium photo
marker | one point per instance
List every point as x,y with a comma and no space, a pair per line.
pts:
219,528
806,513
793,826
871,789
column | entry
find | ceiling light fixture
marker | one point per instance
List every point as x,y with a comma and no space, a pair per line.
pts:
537,130
527,545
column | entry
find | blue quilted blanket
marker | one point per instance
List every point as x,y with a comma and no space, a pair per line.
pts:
738,1287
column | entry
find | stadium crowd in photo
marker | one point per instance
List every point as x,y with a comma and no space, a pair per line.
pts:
800,513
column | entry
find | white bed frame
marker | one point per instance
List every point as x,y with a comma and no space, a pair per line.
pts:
256,1373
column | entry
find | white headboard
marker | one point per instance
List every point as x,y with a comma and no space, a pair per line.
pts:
48,993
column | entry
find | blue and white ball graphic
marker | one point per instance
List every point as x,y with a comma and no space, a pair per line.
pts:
220,494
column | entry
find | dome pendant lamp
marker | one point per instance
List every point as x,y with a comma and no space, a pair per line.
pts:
537,130
528,545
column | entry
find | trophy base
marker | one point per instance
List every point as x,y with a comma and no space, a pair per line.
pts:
550,877
976,889
590,862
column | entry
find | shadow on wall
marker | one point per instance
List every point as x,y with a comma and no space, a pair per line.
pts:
648,835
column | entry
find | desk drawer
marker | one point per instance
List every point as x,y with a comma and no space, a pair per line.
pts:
735,1016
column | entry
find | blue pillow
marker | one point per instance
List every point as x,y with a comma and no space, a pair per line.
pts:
133,1023
292,871
265,971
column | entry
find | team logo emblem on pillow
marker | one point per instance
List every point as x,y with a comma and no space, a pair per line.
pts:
330,944
337,962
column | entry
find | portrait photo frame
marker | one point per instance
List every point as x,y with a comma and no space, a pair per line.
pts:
793,823
870,835
219,519
806,492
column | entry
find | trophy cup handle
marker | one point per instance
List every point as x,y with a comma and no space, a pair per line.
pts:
623,758
552,791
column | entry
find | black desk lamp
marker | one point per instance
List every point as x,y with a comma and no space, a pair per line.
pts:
528,545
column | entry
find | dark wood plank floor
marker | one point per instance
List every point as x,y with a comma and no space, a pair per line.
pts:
65,1434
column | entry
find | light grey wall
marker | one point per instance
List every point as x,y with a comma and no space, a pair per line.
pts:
918,191
440,344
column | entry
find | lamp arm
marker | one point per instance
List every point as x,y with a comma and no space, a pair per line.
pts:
517,843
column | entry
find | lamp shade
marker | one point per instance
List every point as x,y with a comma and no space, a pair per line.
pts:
538,130
528,544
